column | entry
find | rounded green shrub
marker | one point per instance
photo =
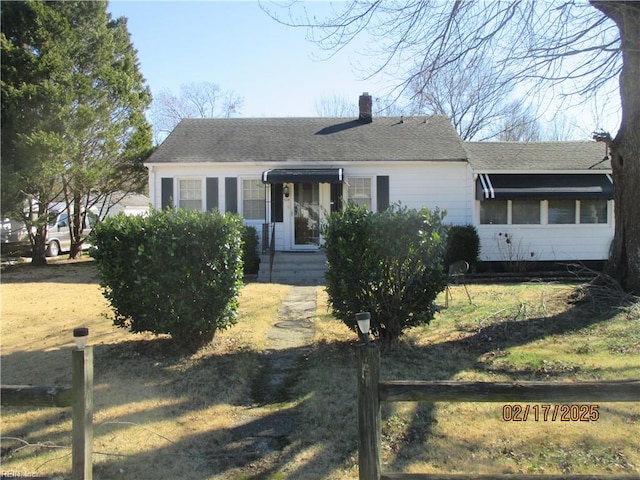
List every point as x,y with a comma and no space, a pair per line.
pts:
463,243
173,272
388,263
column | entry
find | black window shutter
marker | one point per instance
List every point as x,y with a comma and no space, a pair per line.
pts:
336,197
166,193
383,192
277,202
231,194
212,193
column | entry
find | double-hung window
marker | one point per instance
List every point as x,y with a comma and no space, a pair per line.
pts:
190,194
359,191
253,201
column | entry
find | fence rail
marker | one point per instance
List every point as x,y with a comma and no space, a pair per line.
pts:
435,476
609,391
371,392
35,396
79,397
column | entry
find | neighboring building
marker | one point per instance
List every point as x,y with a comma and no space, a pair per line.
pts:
131,204
284,175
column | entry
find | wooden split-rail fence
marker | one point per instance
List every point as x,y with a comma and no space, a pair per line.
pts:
79,396
371,392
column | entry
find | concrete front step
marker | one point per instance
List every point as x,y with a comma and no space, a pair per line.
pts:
294,268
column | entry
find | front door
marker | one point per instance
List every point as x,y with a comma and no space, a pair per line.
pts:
306,215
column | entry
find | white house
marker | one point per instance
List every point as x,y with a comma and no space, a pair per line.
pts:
283,175
553,201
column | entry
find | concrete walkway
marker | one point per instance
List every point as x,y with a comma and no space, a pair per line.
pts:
288,341
294,327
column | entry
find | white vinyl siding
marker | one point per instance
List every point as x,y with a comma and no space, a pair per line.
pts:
449,186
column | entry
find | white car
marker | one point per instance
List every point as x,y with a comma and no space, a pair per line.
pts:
15,236
58,236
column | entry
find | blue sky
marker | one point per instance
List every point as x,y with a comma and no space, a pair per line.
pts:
276,70
239,47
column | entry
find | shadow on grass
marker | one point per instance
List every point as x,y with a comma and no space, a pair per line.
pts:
139,383
312,435
57,271
474,351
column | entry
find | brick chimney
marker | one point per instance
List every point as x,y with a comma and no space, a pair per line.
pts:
365,103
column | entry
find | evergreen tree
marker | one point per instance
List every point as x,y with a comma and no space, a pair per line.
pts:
73,102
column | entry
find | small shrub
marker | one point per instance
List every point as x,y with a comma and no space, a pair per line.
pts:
174,272
463,243
250,255
516,257
388,263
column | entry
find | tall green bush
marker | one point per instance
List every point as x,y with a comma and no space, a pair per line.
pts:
463,243
250,255
174,272
389,264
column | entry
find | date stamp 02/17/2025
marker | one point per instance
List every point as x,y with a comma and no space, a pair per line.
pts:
563,412
16,474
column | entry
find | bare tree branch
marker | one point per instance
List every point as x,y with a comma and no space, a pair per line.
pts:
196,100
527,40
572,47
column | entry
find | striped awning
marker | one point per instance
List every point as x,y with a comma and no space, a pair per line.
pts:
544,186
294,175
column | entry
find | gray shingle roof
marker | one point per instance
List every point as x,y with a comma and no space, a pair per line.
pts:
311,139
511,157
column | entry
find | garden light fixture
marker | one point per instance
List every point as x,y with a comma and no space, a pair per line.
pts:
364,323
80,336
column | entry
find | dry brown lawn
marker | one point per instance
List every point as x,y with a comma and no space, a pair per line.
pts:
161,415
158,414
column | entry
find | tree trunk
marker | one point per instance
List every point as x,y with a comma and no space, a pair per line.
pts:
39,240
625,148
39,247
75,228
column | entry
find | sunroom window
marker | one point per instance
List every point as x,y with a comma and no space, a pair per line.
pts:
593,211
525,212
561,212
493,212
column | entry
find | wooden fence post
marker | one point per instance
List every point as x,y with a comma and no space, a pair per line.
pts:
82,434
368,412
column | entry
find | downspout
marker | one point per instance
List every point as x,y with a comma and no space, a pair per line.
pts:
475,211
267,217
152,186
